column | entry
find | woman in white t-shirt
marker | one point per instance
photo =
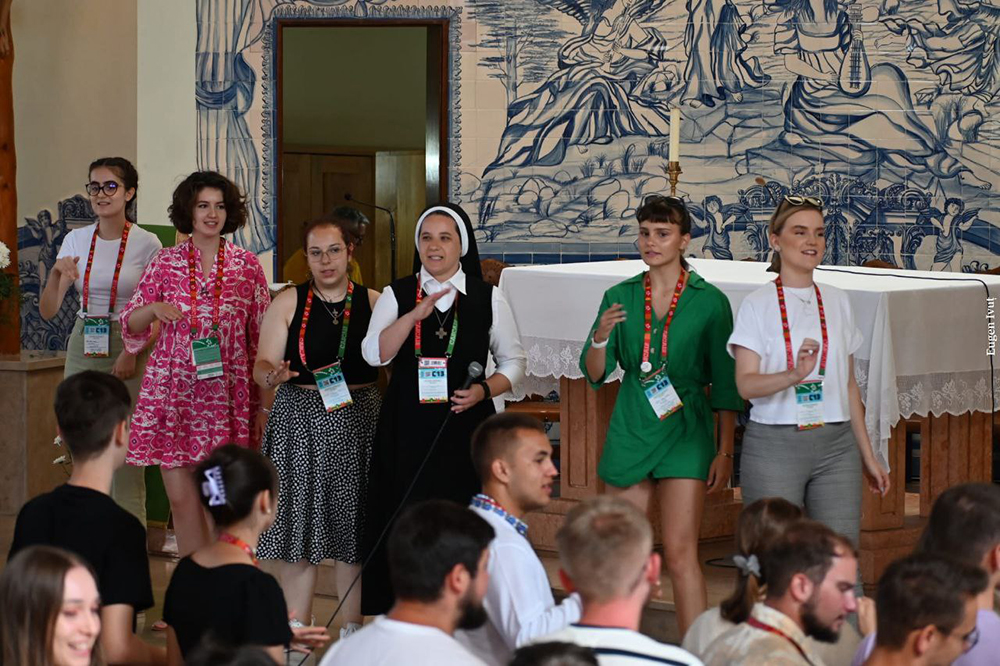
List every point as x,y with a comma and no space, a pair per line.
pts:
806,440
104,261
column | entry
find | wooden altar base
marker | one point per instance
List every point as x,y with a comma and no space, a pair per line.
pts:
954,450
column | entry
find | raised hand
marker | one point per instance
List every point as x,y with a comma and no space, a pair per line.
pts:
281,374
424,307
166,312
67,270
805,361
609,319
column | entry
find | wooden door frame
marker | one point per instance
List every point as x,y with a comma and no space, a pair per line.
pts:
436,142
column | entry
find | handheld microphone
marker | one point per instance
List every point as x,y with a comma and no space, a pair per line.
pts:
392,231
475,372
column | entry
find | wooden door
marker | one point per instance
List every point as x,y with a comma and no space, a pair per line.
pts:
333,177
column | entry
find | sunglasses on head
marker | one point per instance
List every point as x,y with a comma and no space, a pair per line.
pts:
660,198
815,202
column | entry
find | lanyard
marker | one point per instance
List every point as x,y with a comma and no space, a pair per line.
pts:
787,331
343,328
240,543
681,281
417,348
757,624
487,503
114,278
220,261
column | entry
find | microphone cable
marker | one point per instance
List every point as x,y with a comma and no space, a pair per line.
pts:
475,370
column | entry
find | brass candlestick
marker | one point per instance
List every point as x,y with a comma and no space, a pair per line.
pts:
673,175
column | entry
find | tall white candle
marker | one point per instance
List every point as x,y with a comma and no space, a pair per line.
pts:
675,134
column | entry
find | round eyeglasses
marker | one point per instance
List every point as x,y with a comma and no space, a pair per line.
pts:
109,187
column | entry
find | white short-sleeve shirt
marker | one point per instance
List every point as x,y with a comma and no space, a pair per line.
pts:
387,642
758,328
139,251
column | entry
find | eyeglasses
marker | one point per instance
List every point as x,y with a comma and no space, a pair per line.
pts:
815,202
971,639
108,187
318,255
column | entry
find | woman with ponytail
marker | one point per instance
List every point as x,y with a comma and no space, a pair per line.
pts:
219,589
759,525
794,342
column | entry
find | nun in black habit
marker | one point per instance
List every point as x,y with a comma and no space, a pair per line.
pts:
444,315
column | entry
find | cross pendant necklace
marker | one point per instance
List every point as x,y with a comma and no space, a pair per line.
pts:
441,333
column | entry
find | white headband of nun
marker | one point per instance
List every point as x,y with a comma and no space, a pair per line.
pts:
443,210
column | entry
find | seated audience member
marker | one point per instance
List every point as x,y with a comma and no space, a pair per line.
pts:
759,525
211,653
810,572
606,551
92,413
438,554
554,654
218,589
513,457
50,610
926,608
965,525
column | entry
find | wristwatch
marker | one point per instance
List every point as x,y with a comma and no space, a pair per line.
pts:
486,389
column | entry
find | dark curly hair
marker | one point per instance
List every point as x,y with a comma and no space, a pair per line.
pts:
181,211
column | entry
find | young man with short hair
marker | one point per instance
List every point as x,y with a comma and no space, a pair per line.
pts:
926,607
513,458
810,573
92,412
965,525
606,550
438,553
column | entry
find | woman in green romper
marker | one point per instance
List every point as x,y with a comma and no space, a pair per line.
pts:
662,435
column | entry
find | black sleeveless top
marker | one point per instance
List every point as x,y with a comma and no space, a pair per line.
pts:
323,337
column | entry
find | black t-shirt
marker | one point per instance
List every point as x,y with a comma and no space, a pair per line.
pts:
90,524
238,603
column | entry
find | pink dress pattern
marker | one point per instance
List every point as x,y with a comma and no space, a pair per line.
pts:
179,419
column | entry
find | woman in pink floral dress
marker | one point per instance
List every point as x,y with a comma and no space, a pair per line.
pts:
186,410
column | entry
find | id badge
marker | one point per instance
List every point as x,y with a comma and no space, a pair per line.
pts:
97,337
809,405
432,380
661,394
332,387
207,356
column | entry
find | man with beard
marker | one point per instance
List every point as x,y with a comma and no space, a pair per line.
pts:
513,457
809,573
438,553
927,609
606,550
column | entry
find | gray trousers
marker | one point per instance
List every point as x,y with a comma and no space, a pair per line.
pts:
820,470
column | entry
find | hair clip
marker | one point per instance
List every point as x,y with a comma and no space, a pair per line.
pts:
214,488
747,565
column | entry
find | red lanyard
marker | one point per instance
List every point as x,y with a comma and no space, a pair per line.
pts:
343,328
757,624
114,278
417,347
787,331
236,541
219,261
681,281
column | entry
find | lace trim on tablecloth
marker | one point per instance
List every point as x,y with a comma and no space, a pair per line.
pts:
939,393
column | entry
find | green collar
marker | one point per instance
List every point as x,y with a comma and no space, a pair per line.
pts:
695,281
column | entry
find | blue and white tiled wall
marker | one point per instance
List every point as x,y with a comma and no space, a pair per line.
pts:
559,119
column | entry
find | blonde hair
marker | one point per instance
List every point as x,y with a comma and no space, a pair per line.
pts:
603,546
781,214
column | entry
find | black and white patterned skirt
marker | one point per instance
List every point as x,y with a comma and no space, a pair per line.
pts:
322,460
